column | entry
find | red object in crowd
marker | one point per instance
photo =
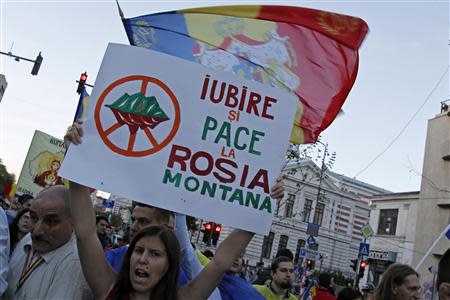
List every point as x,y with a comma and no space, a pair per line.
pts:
7,189
322,294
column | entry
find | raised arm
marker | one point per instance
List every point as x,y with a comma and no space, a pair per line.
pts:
228,251
189,260
98,273
210,277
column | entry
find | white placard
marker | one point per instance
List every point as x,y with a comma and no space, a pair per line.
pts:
180,136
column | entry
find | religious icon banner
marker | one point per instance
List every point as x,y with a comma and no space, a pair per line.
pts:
41,167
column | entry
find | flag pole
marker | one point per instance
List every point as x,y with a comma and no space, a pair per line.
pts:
120,10
432,247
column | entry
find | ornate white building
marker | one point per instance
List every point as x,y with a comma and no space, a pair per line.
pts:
341,210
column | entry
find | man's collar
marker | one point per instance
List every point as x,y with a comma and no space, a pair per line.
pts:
269,285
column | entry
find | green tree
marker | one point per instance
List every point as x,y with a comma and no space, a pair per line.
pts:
116,220
5,177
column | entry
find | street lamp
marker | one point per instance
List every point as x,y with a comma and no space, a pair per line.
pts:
37,62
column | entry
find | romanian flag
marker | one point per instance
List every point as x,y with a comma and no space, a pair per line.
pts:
80,114
310,290
311,53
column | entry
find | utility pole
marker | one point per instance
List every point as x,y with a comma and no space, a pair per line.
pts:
37,62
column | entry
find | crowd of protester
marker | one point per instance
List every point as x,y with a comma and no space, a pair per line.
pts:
54,246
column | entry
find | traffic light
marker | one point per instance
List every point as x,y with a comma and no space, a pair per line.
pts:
207,233
310,264
81,82
37,64
354,264
216,234
362,267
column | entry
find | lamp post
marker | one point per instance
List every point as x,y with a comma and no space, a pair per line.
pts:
37,62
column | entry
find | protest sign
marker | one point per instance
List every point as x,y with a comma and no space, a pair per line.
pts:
181,136
42,163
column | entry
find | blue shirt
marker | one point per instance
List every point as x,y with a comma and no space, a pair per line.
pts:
4,250
233,287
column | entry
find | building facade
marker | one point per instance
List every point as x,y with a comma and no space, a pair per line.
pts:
393,220
341,209
434,202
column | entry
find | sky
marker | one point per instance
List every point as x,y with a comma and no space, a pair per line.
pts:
403,77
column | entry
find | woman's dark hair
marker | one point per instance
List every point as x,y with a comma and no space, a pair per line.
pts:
349,293
394,276
14,228
166,288
443,274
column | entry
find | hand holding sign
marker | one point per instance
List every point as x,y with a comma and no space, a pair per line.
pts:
210,146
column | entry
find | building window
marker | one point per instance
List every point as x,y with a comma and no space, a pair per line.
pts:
300,245
289,206
307,210
283,242
267,245
388,221
318,213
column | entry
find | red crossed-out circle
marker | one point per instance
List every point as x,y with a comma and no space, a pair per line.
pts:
104,133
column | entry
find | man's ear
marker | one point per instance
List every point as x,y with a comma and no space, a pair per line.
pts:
394,290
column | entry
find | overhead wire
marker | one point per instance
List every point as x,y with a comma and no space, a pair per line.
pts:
405,126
